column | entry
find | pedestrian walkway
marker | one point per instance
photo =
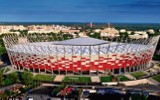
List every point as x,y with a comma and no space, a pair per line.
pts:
11,70
147,73
129,76
153,81
95,79
134,83
37,97
137,82
59,78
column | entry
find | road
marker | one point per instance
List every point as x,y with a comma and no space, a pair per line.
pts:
150,88
43,91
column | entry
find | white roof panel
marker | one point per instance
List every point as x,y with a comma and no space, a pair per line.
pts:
82,41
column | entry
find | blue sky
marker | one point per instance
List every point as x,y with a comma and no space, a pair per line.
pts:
127,11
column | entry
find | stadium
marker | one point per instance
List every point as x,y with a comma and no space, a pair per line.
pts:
79,56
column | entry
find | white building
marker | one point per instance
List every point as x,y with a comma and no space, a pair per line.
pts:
122,31
111,32
97,30
151,31
139,34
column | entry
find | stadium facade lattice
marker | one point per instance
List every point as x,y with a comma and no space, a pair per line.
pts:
83,55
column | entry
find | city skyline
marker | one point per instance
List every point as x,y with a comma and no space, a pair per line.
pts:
130,11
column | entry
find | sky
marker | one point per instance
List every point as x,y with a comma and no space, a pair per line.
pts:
114,11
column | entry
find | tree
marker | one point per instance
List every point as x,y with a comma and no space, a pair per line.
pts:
27,78
54,36
95,35
124,35
2,50
2,47
132,33
138,97
13,77
1,78
3,96
7,81
8,92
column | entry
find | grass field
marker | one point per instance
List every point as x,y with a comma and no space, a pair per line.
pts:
77,79
1,70
123,78
47,78
138,74
157,78
106,78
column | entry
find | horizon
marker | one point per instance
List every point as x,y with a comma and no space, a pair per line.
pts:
81,22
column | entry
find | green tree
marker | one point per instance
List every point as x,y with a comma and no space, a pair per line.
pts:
95,35
2,47
27,78
1,78
13,77
138,97
2,50
132,33
7,81
8,92
54,36
3,96
124,35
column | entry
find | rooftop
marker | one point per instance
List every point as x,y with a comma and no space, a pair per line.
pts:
86,41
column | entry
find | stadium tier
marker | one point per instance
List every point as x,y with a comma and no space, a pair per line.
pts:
83,55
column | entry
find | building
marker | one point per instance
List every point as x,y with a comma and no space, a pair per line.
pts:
31,28
51,28
109,32
138,35
151,31
1,29
122,31
7,28
83,55
97,30
71,31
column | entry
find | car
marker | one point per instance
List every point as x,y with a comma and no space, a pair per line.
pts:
48,99
101,91
10,98
29,98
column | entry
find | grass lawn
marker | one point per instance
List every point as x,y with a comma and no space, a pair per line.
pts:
106,78
1,70
77,79
138,74
123,78
48,78
157,78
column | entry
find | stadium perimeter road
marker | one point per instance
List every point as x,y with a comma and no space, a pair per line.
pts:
37,97
47,88
138,87
43,92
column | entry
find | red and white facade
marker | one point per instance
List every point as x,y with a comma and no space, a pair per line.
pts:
80,55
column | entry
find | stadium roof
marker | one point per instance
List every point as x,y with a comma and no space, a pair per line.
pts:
82,41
